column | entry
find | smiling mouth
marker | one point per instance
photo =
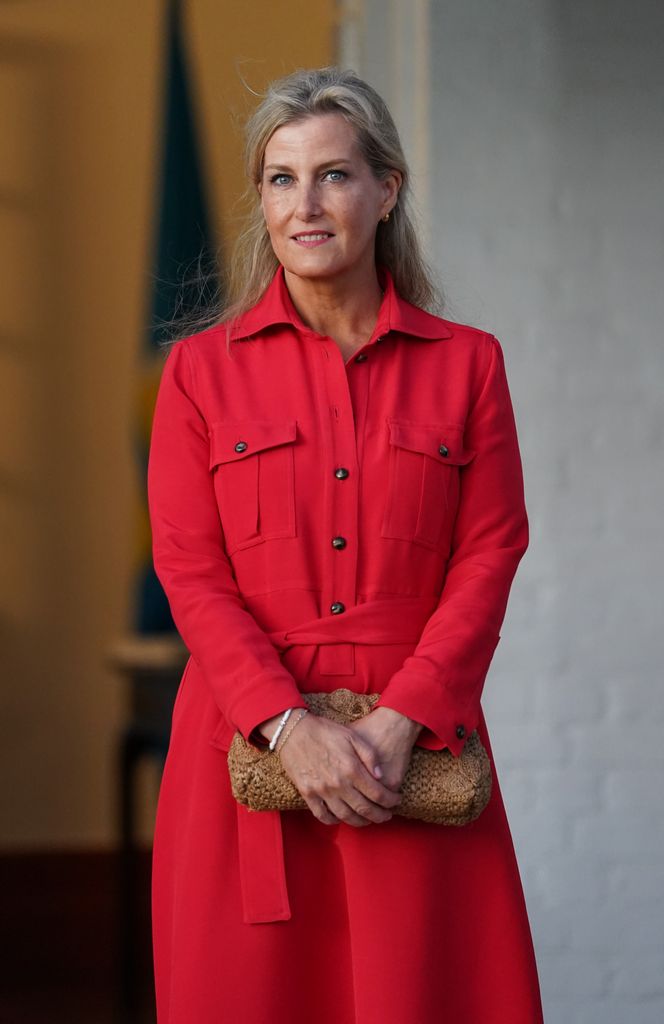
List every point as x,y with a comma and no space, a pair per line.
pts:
317,236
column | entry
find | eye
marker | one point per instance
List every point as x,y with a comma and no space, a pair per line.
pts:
342,174
275,177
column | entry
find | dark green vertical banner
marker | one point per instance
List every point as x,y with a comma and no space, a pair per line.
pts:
183,278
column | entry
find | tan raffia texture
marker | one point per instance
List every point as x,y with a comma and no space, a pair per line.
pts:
438,787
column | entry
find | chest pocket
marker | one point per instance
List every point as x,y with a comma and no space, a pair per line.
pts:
424,462
253,463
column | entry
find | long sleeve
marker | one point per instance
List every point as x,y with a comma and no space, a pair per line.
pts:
248,680
440,684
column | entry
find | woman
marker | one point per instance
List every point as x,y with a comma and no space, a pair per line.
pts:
336,500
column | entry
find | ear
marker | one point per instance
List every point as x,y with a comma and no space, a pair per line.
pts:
392,183
396,179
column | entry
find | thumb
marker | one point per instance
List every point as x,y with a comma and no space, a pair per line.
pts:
368,757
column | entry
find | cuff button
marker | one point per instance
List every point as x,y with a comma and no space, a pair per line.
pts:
461,731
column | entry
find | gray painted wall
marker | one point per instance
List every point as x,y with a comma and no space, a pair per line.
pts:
546,213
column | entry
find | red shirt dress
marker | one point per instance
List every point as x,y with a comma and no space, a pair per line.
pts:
321,524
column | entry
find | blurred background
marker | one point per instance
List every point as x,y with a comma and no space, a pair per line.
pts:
535,134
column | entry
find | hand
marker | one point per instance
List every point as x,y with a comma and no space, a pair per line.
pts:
392,736
333,767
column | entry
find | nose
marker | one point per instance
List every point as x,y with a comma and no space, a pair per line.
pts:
308,201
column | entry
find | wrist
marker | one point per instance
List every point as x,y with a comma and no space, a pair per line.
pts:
268,728
294,720
400,721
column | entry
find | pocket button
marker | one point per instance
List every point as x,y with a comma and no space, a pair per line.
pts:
240,446
444,450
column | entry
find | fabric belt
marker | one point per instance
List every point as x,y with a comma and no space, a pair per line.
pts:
260,838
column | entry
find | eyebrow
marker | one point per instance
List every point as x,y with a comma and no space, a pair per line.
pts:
328,163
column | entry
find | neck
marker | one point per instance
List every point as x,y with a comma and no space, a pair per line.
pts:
342,306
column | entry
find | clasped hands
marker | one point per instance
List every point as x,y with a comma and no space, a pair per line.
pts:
350,773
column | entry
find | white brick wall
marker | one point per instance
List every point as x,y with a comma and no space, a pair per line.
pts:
546,184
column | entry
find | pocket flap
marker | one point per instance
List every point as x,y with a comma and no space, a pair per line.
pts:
230,442
443,443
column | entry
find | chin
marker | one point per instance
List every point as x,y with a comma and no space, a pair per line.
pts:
315,267
311,268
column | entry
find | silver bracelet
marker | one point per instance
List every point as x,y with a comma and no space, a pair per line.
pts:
305,711
282,721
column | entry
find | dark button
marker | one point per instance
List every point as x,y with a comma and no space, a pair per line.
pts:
360,357
341,473
240,446
337,607
339,542
444,450
380,338
461,731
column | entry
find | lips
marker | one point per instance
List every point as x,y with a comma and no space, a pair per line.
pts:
312,236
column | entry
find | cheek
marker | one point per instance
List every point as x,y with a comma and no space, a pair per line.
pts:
359,218
276,208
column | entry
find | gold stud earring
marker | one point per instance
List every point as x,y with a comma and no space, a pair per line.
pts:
386,217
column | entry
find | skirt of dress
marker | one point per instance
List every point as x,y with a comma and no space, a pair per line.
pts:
402,922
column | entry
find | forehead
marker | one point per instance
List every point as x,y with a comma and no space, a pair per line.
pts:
325,134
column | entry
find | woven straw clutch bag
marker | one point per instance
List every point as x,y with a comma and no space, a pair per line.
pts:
438,787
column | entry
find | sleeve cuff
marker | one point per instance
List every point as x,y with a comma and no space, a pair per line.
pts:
442,726
272,697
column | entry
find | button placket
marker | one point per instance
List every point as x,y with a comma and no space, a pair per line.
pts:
339,590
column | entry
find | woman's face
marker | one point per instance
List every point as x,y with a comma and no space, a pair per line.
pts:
317,183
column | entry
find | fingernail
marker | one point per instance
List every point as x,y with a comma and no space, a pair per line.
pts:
378,772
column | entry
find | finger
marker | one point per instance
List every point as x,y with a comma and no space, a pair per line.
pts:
368,809
357,810
386,790
345,812
394,780
376,792
368,756
347,774
320,810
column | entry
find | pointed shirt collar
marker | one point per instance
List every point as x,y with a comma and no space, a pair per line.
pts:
394,314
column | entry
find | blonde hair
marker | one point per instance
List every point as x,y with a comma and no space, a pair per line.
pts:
252,263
